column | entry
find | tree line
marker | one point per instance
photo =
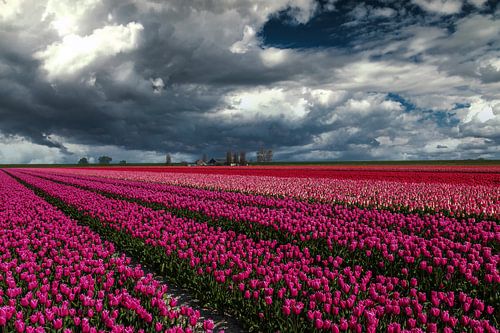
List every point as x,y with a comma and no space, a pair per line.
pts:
101,160
232,158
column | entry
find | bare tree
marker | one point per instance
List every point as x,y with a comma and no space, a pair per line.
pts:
268,156
229,158
235,158
243,159
204,158
168,159
264,155
261,155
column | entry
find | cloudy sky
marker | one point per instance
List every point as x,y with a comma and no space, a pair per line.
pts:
313,80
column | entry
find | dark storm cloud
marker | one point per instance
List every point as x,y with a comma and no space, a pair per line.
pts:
171,79
120,114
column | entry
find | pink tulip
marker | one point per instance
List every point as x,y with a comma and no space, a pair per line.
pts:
57,323
19,325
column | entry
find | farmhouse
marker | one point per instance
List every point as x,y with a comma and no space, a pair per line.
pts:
217,161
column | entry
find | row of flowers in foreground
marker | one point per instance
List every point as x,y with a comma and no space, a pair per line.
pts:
58,276
455,199
380,238
282,286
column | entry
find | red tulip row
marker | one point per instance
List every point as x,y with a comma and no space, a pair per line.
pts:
469,175
380,238
453,199
58,276
278,285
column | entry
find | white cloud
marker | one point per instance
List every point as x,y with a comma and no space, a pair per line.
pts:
388,141
440,101
226,24
488,68
383,12
65,16
272,57
91,80
329,5
16,149
363,12
479,111
124,73
256,11
443,7
264,103
115,152
327,97
19,150
395,76
360,12
158,85
301,10
472,32
423,39
9,10
74,53
126,78
493,63
477,3
305,10
362,106
246,42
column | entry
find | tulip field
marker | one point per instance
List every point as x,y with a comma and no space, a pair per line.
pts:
280,249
